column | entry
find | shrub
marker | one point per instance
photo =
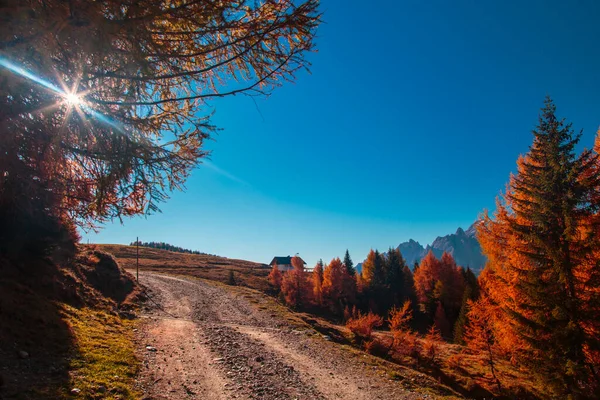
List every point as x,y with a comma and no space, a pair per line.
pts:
407,343
431,345
361,325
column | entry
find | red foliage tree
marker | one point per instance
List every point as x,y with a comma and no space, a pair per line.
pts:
295,286
275,277
333,283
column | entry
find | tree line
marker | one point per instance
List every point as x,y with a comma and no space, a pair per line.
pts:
166,246
437,291
535,304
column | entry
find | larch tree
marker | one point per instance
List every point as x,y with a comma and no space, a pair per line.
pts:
373,273
425,278
542,244
103,103
373,282
479,333
333,283
275,278
295,286
317,283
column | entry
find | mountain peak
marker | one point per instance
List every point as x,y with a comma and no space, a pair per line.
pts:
462,245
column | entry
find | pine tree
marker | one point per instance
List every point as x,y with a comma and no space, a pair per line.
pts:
394,276
542,270
317,280
349,264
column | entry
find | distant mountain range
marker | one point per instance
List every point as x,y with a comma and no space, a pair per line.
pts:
462,245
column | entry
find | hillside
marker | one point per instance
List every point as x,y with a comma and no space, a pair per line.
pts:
205,266
67,328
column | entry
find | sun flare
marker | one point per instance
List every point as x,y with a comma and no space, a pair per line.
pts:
72,99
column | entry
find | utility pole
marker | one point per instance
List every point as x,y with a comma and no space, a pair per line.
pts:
137,258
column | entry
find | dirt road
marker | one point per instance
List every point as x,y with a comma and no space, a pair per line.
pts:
203,340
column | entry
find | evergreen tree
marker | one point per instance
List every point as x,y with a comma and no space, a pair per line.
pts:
394,276
542,271
349,264
373,273
317,281
231,278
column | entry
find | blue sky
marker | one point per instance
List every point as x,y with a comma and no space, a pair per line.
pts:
408,127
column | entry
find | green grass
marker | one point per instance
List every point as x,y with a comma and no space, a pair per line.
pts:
104,365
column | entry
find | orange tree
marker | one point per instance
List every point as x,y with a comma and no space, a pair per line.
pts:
103,103
542,244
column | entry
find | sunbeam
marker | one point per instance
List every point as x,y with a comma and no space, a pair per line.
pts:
71,97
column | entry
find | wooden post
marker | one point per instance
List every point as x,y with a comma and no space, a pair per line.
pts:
137,258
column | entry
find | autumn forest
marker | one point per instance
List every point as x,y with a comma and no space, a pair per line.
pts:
536,303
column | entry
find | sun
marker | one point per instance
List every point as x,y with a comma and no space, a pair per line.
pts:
72,99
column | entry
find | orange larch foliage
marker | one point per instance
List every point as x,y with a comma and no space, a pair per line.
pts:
399,320
333,277
296,286
543,247
431,345
275,277
479,333
426,276
362,325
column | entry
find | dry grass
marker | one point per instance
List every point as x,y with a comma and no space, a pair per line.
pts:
104,364
246,273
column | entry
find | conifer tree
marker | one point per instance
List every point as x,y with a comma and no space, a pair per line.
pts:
373,273
441,321
426,276
471,293
394,276
479,333
333,278
409,284
542,271
317,280
349,264
295,286
275,278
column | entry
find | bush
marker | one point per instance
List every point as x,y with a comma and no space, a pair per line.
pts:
361,325
431,345
407,343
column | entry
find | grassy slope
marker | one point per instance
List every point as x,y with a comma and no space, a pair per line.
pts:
216,268
104,364
65,317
